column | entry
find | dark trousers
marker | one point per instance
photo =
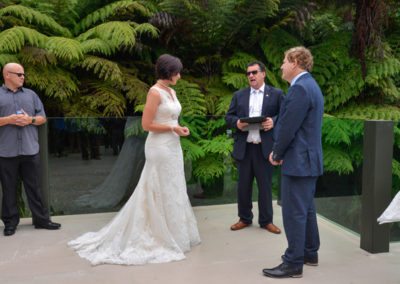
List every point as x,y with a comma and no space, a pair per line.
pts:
255,165
299,219
26,168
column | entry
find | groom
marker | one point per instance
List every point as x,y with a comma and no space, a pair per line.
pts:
252,145
298,148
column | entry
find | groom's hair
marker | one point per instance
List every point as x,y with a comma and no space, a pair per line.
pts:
168,66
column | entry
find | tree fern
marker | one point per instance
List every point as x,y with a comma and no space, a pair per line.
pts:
209,168
105,97
32,56
146,28
32,17
191,98
369,111
65,49
101,15
97,46
117,34
6,58
12,40
52,81
103,68
332,69
337,160
192,151
275,43
218,145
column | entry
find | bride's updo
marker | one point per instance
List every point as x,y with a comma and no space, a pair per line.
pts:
167,66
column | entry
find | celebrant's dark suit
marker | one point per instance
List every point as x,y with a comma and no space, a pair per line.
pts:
258,166
298,144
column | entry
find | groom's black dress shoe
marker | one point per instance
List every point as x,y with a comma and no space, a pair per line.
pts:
9,230
48,225
284,271
311,261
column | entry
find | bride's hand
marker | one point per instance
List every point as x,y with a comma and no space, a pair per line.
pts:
182,131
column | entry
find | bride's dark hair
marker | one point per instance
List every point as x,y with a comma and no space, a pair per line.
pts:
167,66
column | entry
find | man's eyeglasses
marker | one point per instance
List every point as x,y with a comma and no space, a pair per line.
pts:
18,74
255,72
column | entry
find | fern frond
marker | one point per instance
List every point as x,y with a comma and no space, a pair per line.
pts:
135,127
146,28
192,151
235,80
223,104
336,160
103,68
209,168
395,168
218,145
105,97
37,56
97,46
52,81
13,39
64,48
107,11
117,34
332,69
6,58
369,111
239,61
336,131
191,98
275,43
31,16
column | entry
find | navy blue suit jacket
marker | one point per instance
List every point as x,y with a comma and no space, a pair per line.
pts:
298,133
239,108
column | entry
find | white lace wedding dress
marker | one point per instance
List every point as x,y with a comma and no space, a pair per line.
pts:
157,223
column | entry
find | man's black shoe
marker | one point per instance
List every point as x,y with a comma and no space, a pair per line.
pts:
48,225
311,261
283,271
9,230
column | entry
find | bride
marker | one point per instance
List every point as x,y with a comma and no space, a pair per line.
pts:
157,223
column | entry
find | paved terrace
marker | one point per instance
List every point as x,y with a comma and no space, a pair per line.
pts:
41,256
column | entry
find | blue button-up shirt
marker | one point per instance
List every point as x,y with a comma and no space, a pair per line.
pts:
19,140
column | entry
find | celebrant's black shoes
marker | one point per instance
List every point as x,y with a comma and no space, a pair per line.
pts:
48,225
283,271
9,230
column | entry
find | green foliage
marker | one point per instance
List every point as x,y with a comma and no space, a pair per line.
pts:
103,68
332,69
336,160
342,144
52,81
65,49
209,168
12,40
104,13
5,58
33,17
191,98
369,111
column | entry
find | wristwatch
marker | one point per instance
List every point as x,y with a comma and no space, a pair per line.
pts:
33,120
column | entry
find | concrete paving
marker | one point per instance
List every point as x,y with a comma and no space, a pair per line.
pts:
41,256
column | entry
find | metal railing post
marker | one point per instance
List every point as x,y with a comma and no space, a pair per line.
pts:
44,160
376,184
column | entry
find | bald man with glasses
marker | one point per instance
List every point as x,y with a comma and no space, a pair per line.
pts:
252,145
21,111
